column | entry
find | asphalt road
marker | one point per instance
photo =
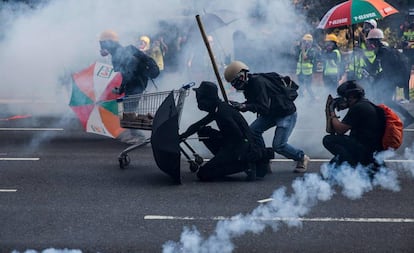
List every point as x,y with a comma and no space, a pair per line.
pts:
62,188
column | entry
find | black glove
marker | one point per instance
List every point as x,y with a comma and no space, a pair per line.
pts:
238,106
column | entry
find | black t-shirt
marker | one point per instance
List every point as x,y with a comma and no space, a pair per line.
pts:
367,125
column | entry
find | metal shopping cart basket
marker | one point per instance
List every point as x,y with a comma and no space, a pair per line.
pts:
137,112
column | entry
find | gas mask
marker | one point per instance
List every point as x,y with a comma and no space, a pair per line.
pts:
239,81
329,45
372,44
106,45
306,44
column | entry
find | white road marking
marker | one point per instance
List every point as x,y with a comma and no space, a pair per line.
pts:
265,200
316,219
19,159
327,160
29,129
8,190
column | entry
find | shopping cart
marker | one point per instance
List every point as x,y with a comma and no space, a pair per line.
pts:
137,112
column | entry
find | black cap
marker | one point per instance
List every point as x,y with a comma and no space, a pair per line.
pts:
349,87
207,90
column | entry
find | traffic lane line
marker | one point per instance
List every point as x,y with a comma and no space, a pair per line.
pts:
19,158
327,160
29,129
315,219
8,190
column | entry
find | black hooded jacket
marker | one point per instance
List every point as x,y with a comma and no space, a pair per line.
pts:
230,122
131,63
264,96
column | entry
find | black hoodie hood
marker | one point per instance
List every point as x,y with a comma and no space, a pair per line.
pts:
207,96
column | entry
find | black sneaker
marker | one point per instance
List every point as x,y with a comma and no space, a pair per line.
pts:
251,172
262,169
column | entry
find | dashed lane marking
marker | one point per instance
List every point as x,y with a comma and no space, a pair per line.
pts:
316,219
29,129
19,159
8,190
327,160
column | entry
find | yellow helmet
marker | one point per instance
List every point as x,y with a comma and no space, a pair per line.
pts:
146,39
109,35
231,71
307,37
331,37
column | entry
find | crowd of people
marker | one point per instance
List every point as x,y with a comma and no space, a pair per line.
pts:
366,77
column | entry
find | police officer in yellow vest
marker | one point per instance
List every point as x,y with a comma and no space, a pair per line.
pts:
363,66
305,65
332,61
408,37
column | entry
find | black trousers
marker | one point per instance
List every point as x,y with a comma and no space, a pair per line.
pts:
228,157
347,149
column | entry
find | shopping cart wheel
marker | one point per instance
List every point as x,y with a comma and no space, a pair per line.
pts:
193,166
198,159
124,161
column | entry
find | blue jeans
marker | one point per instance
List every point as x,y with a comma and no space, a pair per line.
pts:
284,128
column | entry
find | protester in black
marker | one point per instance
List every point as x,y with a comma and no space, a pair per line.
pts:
268,95
129,61
232,145
133,66
393,71
366,125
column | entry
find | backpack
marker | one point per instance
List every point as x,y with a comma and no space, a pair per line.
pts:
151,68
282,93
393,132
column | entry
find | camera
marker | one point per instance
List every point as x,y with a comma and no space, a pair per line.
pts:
339,103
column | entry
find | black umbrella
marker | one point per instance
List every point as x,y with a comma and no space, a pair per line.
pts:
164,138
211,22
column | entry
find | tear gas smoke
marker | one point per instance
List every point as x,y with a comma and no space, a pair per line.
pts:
42,46
306,193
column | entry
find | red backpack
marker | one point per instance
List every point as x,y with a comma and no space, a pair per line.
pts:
393,133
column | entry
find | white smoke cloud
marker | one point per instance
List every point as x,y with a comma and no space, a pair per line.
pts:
409,154
42,46
306,193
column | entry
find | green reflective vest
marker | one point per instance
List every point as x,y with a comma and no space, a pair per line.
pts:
305,67
332,65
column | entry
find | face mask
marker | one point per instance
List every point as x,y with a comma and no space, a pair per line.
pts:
329,45
306,44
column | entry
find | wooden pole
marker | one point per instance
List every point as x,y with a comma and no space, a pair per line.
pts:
213,62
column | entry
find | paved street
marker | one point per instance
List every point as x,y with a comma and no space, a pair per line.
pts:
62,188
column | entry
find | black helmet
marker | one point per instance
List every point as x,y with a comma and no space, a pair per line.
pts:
350,87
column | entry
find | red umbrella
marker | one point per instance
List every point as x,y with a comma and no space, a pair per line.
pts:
354,12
